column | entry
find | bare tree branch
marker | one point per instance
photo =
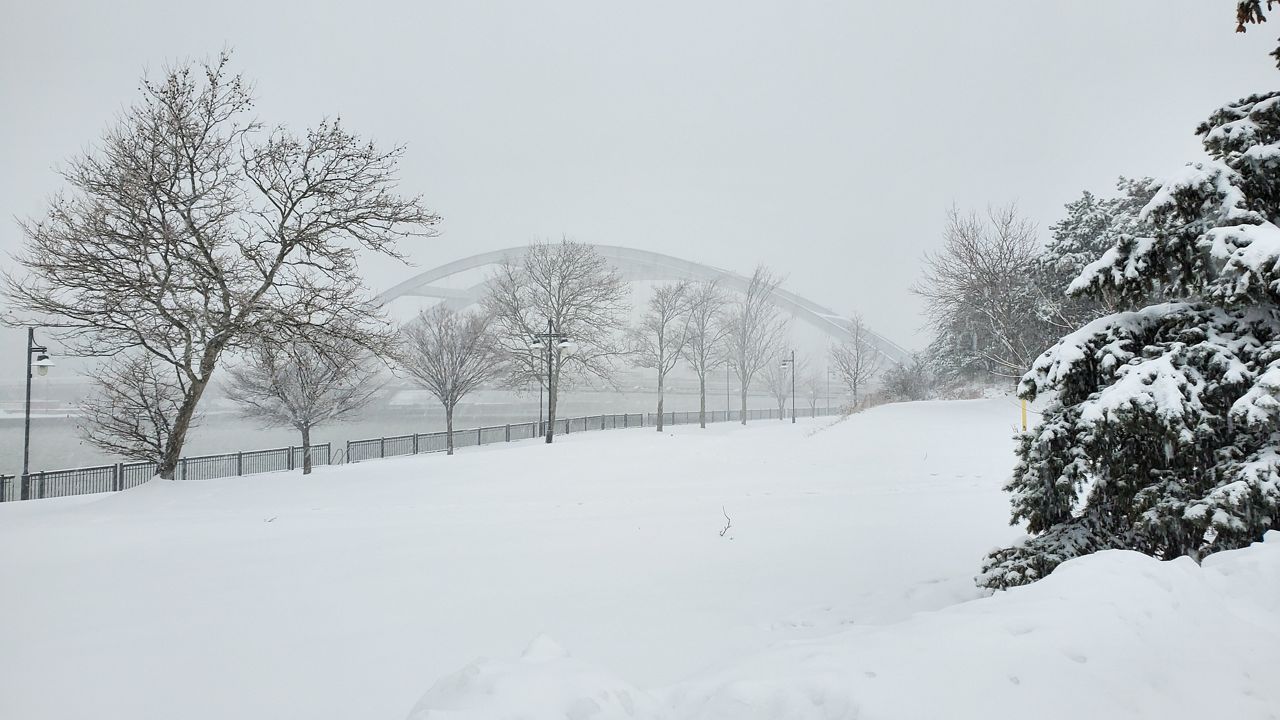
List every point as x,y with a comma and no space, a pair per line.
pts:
569,288
857,360
755,331
451,354
981,286
302,385
663,333
778,377
708,332
131,415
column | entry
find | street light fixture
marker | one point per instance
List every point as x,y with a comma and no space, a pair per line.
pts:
41,365
791,362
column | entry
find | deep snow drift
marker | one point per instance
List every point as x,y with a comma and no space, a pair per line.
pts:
348,593
1116,635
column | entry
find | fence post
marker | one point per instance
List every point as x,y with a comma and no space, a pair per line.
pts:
117,477
348,453
479,436
415,443
40,486
382,447
183,463
508,435
626,420
289,462
240,463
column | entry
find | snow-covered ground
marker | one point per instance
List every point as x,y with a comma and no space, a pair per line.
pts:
349,593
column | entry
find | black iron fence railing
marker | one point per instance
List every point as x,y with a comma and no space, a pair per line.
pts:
121,476
385,447
392,446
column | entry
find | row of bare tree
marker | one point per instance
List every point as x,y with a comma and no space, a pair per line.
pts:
557,296
193,235
565,288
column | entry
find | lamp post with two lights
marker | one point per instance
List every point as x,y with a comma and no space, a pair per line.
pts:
40,365
563,347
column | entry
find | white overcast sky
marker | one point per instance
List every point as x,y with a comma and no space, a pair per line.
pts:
825,139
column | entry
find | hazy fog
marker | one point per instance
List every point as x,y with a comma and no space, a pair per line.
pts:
824,139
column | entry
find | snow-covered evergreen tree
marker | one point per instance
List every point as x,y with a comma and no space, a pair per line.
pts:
1161,428
1091,226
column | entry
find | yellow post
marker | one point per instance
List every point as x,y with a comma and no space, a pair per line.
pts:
1024,414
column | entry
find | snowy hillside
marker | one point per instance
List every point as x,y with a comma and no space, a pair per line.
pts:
349,593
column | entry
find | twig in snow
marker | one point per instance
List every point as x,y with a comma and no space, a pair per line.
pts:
728,524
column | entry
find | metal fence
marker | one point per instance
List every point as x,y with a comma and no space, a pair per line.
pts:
121,476
691,416
385,447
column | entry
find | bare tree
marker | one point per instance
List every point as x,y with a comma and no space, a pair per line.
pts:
980,293
779,378
302,385
132,415
568,290
815,389
755,331
451,354
856,360
708,330
192,231
663,333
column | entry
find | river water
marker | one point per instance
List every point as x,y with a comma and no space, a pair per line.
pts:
56,443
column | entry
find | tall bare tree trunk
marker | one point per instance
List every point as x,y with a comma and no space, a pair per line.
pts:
306,449
744,405
659,403
448,428
702,400
181,425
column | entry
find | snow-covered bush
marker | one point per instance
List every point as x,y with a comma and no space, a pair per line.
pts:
1161,424
907,381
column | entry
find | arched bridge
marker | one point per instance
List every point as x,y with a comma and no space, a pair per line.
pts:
635,265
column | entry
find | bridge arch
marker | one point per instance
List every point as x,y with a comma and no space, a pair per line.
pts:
636,265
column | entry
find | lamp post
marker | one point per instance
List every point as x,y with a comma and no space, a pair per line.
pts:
791,362
830,373
564,347
828,390
41,365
